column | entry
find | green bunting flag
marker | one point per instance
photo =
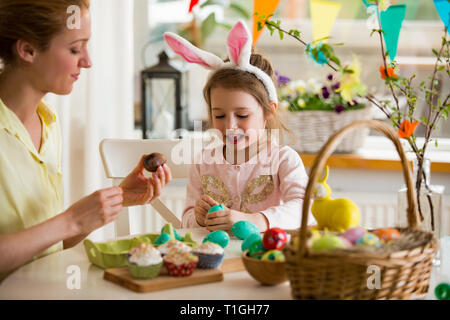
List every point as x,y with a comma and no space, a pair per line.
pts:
391,23
443,8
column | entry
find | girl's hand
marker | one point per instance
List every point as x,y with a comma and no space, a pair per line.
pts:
139,190
201,208
94,211
223,220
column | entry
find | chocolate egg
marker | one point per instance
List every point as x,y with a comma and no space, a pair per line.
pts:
153,161
242,229
219,236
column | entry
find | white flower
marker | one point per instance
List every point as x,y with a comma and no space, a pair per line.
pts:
313,86
284,105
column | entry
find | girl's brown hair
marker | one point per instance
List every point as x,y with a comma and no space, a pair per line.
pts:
242,80
35,21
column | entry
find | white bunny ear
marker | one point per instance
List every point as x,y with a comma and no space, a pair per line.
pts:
191,53
239,43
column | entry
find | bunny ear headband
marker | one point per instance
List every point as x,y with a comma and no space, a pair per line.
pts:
239,44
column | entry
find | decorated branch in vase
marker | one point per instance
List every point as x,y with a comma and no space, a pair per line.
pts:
350,86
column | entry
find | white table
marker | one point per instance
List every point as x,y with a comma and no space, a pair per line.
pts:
47,278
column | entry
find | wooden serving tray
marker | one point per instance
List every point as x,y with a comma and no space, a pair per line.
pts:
163,281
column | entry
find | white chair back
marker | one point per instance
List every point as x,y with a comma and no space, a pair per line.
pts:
120,156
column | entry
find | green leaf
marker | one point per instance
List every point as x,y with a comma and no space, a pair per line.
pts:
281,34
240,10
260,26
435,52
208,25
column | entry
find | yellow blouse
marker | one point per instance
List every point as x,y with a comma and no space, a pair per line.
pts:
31,185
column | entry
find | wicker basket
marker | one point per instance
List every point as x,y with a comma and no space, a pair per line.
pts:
344,274
313,128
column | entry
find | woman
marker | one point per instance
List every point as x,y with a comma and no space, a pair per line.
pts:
41,53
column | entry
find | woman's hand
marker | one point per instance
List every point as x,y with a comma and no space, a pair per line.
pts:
224,219
139,190
201,208
94,211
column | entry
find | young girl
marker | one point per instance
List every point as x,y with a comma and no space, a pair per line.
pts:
40,54
266,190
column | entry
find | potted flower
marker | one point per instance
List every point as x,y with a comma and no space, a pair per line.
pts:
315,109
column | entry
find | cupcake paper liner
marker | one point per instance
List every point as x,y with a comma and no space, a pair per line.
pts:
181,270
208,261
144,272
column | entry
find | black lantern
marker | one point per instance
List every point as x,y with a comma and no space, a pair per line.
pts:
162,91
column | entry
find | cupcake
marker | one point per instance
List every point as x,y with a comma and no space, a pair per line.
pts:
180,263
210,255
144,261
171,244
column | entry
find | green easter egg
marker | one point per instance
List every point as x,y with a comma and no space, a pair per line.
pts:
217,207
249,240
328,242
273,255
163,238
242,229
257,249
220,237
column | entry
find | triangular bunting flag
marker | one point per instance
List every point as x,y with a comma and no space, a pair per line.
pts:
443,8
391,23
262,7
323,15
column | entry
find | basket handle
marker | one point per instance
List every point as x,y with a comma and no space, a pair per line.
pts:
327,150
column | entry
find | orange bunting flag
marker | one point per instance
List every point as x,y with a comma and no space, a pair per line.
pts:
262,7
407,128
390,73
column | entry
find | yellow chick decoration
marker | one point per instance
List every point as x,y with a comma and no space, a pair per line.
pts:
336,215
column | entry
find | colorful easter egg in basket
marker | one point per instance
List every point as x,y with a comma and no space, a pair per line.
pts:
273,255
369,239
387,234
256,250
249,240
354,234
274,238
328,242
